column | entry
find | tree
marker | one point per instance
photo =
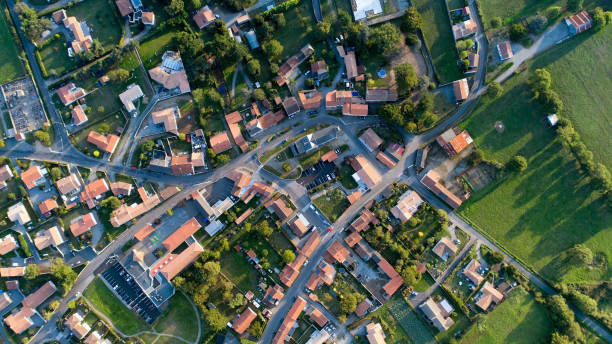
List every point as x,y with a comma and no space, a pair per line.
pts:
256,329
279,20
585,303
259,94
558,338
426,103
579,255
56,173
112,203
189,43
495,257
574,5
1,143
254,68
264,228
176,8
43,137
118,75
601,176
537,23
322,29
273,49
563,318
413,40
32,25
384,39
215,320
104,128
517,32
494,90
539,81
517,164
412,20
286,167
553,12
237,301
100,109
147,146
496,22
31,272
599,18
211,270
223,159
288,256
182,136
409,275
63,273
96,154
406,77
349,302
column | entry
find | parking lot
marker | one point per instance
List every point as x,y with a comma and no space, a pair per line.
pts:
318,174
130,293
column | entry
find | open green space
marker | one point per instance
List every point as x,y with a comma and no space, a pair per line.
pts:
511,11
10,66
518,319
105,301
79,138
54,55
410,322
153,47
234,265
424,283
102,18
292,36
310,159
549,207
332,204
439,38
394,331
179,319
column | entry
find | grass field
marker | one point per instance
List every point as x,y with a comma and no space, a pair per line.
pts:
395,334
409,321
333,207
550,206
530,322
55,57
439,38
511,11
235,266
105,301
153,47
588,106
179,319
292,36
102,18
10,66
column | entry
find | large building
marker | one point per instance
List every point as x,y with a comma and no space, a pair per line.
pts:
171,73
129,96
433,182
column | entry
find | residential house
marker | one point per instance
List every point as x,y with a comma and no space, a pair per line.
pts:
47,206
317,317
121,188
454,141
148,18
181,165
337,99
94,191
471,271
337,252
78,115
8,244
310,245
464,29
126,213
579,22
461,90
350,61
330,156
473,59
107,143
504,50
432,181
69,93
445,248
171,73
18,213
311,100
395,151
77,326
363,9
82,224
237,136
129,96
385,160
49,237
324,274
291,106
279,206
125,7
407,205
34,176
395,280
252,39
291,271
363,308
244,320
5,301
220,142
81,34
5,174
319,70
167,118
363,222
95,338
17,271
257,188
375,334
365,174
265,121
69,185
22,320
355,109
273,295
287,69
181,234
299,225
241,181
487,296
172,265
289,320
204,17
370,140
438,313
381,94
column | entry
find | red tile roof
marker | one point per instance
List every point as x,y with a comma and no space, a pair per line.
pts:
181,261
233,117
69,93
36,298
392,286
289,321
47,205
78,115
83,224
244,320
338,252
144,232
237,136
504,49
318,317
363,221
371,139
353,239
181,234
106,143
204,17
125,7
93,190
311,244
384,158
461,89
31,175
220,142
432,181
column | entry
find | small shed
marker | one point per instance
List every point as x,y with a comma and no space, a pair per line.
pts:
552,120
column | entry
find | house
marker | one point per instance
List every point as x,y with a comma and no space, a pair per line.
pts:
299,225
317,317
81,34
121,188
181,234
69,93
464,29
290,67
125,7
69,185
370,140
365,174
78,115
473,59
257,188
241,181
375,334
148,18
47,206
181,165
234,117
445,248
337,252
171,73
76,325
167,118
107,143
172,264
395,280
471,272
41,294
337,99
363,308
244,320
265,121
504,50
291,271
20,321
311,100
5,300
319,70
381,94
407,205
385,160
461,90
49,237
59,16
220,143
352,239
126,213
291,106
330,156
94,191
129,96
487,296
279,207
438,313
144,232
95,338
363,222
34,176
17,271
82,224
7,244
18,213
578,23
350,61
289,320
355,109
310,245
432,181
324,274
237,136
273,295
204,17
5,174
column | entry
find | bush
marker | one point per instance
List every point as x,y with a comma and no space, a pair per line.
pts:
24,245
517,32
494,90
496,22
574,5
537,23
412,39
517,164
553,12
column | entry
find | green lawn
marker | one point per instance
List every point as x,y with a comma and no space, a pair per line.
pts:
550,206
102,18
518,319
439,38
105,301
333,207
312,158
153,47
511,11
424,283
55,57
292,36
235,266
10,66
179,318
410,322
115,121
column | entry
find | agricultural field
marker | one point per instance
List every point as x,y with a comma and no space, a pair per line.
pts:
10,66
439,39
530,322
410,322
396,333
535,214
